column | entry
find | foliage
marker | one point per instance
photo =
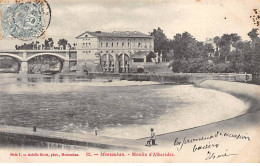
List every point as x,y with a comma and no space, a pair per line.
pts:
227,53
62,42
162,43
48,44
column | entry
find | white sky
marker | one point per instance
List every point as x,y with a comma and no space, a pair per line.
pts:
203,19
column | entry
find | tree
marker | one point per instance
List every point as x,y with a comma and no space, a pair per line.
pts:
46,44
161,43
184,46
50,42
36,44
63,43
189,55
253,34
223,46
230,55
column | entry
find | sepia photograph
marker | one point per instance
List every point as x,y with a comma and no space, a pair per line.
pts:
129,81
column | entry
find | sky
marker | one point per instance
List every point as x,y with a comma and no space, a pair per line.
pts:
201,18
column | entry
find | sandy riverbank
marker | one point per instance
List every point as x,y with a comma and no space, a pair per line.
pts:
244,126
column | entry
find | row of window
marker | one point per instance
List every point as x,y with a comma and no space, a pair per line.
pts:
123,45
86,52
116,51
86,44
123,39
129,39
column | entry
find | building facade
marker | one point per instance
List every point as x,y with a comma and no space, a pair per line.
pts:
115,52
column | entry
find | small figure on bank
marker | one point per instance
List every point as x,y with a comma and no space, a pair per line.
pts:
85,69
96,130
151,139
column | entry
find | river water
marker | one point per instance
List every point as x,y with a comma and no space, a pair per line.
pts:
124,109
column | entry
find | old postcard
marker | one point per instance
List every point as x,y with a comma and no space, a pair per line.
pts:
108,81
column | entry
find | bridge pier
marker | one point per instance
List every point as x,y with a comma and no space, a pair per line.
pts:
23,67
66,67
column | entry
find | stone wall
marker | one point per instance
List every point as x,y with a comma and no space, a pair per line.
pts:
176,78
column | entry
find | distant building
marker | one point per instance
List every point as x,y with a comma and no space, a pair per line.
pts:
116,52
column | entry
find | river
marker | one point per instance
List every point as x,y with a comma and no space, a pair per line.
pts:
124,109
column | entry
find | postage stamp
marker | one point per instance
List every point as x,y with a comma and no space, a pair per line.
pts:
24,20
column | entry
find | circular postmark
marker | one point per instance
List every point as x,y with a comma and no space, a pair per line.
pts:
29,20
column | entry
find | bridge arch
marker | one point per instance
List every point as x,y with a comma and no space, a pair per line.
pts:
107,63
124,63
16,57
36,68
46,53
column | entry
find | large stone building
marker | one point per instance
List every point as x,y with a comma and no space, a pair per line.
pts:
116,52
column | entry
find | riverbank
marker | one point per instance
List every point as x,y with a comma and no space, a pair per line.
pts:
246,126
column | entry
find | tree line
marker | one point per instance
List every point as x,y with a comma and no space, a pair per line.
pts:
47,45
222,54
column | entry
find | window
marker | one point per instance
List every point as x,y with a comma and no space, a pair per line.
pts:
112,44
138,60
101,44
128,44
106,44
89,44
123,44
117,44
139,45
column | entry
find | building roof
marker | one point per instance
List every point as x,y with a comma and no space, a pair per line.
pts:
118,34
142,54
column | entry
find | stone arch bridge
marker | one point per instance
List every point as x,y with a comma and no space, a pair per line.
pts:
23,57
